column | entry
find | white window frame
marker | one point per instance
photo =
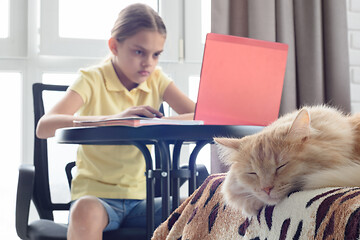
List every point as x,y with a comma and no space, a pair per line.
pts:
15,45
52,44
193,42
170,12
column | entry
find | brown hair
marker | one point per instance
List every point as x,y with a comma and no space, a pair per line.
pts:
134,18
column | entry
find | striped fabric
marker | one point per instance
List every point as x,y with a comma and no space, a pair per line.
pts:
328,213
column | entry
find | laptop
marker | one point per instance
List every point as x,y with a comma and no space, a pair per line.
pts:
241,81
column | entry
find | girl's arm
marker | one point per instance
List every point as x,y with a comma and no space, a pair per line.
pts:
178,101
62,115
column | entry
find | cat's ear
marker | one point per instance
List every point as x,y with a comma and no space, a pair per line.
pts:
300,128
227,146
233,143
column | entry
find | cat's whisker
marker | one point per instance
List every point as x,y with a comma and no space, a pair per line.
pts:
249,196
284,189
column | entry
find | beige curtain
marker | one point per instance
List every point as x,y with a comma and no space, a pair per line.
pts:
316,31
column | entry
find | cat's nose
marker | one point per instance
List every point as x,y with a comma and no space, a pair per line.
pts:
268,189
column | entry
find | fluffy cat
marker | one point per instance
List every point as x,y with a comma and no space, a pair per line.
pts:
311,148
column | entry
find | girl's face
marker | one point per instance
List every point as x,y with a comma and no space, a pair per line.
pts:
136,57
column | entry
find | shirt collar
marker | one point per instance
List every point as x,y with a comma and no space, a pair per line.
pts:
113,83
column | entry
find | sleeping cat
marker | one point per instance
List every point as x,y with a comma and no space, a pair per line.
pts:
311,148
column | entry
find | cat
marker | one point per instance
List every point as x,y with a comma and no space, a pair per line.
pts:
311,148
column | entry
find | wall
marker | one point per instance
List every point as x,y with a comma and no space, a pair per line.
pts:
354,52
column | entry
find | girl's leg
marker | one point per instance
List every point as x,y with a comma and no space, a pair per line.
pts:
137,216
88,219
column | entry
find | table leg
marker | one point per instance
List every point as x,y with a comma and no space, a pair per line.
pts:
192,164
150,226
175,180
165,177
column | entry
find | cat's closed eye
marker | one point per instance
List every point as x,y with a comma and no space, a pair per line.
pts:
252,173
281,166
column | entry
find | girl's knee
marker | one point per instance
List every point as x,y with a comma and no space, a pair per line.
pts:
87,208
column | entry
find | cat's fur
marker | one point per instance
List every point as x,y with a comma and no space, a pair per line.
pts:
311,148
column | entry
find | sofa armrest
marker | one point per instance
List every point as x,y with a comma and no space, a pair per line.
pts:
23,198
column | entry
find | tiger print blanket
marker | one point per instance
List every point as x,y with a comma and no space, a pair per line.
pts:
329,213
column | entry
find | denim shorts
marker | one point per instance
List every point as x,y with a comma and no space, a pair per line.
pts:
129,212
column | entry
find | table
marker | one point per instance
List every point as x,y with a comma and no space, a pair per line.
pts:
161,136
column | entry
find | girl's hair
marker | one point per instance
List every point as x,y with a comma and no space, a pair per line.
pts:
134,18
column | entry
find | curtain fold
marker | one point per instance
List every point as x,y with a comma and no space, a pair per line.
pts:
286,34
336,52
317,70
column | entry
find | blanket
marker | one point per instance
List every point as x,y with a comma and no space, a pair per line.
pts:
328,213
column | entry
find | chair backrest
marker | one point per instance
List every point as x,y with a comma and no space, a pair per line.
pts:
41,195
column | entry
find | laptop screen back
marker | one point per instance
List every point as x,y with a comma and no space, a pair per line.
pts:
241,81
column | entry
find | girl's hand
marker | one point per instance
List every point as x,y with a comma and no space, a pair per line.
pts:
140,111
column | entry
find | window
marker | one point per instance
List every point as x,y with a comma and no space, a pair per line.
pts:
194,45
58,154
64,33
205,153
4,18
59,78
13,23
197,25
205,19
88,26
11,92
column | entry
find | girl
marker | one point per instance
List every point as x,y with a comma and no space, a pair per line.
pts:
109,188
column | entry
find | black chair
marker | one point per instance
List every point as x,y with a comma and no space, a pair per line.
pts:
34,185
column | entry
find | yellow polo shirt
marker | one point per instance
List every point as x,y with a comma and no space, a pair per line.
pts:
112,171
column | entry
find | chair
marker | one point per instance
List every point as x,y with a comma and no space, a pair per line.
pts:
34,185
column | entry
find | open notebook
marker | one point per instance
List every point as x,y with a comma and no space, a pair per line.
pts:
136,122
241,81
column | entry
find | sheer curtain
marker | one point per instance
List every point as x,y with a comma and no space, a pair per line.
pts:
316,31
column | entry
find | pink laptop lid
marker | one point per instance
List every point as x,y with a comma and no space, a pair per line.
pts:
241,81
